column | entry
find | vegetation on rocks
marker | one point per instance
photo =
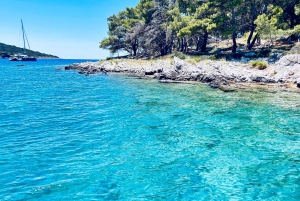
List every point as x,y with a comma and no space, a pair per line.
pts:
212,27
261,65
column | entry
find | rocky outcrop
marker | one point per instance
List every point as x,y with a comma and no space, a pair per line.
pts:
289,60
217,74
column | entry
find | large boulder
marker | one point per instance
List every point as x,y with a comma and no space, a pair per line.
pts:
289,60
179,64
169,74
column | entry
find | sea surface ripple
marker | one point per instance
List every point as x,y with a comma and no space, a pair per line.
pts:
65,136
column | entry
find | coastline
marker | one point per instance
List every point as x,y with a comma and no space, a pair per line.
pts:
228,76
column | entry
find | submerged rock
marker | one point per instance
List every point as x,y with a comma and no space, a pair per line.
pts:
226,88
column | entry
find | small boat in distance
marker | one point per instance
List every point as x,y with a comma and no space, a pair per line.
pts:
24,56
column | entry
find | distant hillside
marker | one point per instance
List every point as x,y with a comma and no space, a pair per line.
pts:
9,50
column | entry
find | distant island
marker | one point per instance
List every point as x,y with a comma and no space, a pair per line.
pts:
9,50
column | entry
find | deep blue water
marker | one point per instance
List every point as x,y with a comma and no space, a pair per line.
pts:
65,136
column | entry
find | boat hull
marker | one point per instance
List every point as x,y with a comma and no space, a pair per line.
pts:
28,59
23,59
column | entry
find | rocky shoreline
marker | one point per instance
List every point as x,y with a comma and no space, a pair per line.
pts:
284,75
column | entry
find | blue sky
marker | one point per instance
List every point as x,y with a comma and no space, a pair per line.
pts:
67,28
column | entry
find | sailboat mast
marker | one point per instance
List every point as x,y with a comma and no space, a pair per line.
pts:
23,36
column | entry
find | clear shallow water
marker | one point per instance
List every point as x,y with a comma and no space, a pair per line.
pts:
64,136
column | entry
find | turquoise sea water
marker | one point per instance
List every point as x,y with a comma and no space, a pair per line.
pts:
64,136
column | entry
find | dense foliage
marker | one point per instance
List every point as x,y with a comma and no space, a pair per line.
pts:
9,50
158,27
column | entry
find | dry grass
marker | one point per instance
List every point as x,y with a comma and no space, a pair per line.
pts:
278,46
137,61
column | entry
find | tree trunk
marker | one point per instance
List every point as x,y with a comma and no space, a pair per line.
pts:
171,47
204,44
134,49
166,49
253,42
178,44
198,44
162,52
182,45
249,46
234,45
292,25
185,45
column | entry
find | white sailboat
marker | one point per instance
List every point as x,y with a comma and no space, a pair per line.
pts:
23,56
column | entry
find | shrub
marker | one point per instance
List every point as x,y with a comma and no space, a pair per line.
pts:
261,65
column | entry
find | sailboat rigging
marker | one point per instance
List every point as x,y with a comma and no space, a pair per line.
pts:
24,56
